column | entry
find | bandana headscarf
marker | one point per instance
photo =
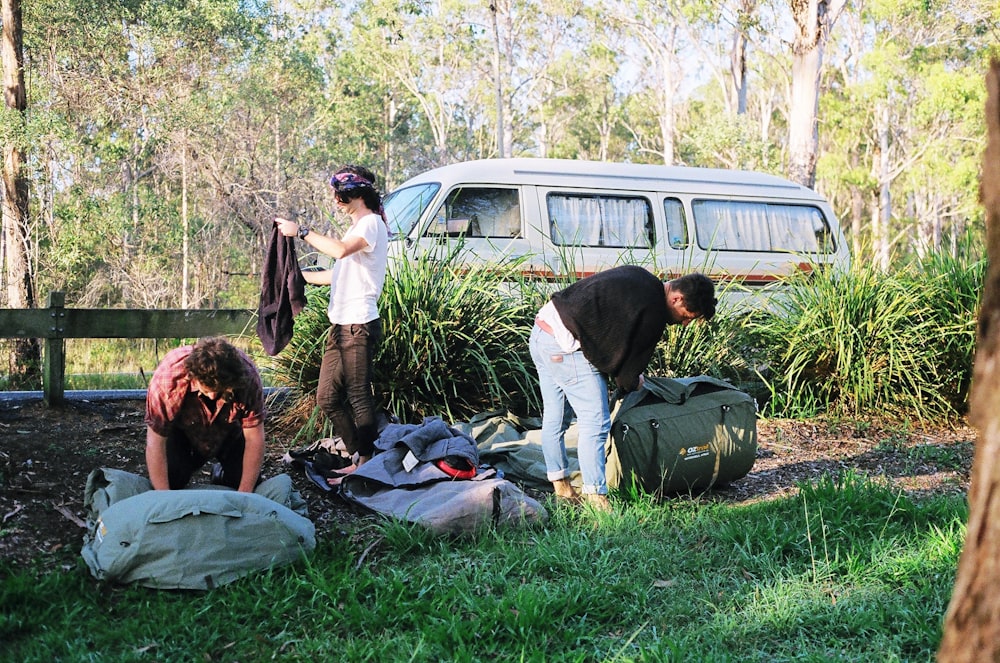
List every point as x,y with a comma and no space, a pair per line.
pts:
349,182
343,182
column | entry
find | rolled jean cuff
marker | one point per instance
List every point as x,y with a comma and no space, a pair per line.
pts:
594,490
558,475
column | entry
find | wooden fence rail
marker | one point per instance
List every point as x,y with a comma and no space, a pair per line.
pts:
55,323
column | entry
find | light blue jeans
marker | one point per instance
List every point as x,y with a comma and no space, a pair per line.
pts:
571,379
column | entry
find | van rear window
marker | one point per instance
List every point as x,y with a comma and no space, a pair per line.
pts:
725,225
614,221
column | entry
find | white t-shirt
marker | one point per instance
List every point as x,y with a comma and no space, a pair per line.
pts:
564,337
358,278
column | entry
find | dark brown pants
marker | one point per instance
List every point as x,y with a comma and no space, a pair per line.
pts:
344,393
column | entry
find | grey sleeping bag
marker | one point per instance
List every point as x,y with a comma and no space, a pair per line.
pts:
196,538
403,480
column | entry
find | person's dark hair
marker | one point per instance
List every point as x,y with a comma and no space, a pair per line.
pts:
361,186
699,294
217,364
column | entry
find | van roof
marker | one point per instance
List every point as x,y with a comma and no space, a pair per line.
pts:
569,172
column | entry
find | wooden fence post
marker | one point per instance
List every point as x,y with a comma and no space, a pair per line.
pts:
54,363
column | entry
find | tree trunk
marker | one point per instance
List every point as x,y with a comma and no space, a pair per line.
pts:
881,239
185,228
497,81
25,360
738,56
972,623
668,121
813,21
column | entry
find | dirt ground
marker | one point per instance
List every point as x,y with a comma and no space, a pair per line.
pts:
47,453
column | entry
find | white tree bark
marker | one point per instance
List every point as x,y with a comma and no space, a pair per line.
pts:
814,20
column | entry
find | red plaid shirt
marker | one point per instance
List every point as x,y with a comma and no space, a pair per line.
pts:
171,405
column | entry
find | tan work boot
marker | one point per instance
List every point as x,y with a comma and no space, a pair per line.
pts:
565,491
598,502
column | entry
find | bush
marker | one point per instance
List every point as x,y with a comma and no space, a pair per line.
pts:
862,343
867,342
455,342
724,348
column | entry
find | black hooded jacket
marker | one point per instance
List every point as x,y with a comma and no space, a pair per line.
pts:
282,294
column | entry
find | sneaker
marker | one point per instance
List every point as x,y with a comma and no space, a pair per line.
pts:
598,502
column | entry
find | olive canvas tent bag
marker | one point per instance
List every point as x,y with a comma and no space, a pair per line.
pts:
681,435
198,538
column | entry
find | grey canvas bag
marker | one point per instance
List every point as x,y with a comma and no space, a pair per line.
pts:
196,538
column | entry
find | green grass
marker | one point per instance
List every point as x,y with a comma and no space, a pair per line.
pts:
847,570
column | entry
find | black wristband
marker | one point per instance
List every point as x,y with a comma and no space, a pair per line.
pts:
303,231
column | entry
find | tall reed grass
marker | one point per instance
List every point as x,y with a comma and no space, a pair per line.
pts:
856,344
455,341
867,342
723,347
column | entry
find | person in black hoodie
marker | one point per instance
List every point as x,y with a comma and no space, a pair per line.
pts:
608,323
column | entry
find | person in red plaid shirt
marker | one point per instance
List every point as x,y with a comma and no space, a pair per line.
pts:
205,401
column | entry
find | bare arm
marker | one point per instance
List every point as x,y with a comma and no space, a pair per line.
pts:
253,458
318,277
156,459
331,246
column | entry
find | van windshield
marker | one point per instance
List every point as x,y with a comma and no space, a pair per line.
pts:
404,207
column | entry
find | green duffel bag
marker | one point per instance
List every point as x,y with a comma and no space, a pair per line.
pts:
681,435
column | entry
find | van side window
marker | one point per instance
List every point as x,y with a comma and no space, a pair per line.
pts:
479,212
677,231
615,221
744,226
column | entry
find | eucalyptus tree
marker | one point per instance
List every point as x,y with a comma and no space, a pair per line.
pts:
712,138
126,80
15,241
743,22
719,34
579,114
187,124
561,91
654,27
659,37
814,21
972,622
478,73
902,134
348,107
438,56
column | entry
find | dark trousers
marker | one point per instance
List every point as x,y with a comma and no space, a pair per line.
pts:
183,460
344,393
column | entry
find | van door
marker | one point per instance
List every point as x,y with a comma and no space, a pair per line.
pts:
487,219
586,231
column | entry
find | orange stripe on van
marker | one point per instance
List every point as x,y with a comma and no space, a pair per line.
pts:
749,279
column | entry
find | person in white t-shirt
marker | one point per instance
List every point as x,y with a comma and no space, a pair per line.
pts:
344,393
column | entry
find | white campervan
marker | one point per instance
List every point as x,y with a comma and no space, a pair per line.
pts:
566,216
